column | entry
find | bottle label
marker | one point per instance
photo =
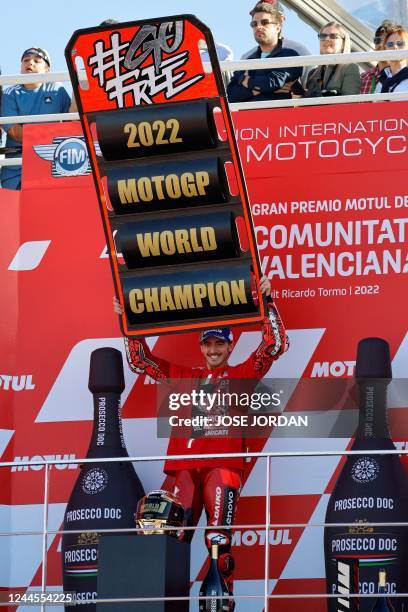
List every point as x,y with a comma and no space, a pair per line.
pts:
84,514
81,557
85,596
358,503
94,480
101,420
361,545
371,588
365,470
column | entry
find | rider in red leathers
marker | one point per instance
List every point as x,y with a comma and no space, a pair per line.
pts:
211,483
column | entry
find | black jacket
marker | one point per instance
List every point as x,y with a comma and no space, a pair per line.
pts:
266,81
390,84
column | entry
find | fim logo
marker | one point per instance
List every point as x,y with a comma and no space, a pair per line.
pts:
68,156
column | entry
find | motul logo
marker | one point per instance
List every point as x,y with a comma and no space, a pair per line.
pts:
16,383
37,468
258,537
335,368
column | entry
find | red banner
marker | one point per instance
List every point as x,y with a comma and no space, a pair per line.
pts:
329,200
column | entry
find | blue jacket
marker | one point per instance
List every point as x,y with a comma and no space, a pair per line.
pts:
266,81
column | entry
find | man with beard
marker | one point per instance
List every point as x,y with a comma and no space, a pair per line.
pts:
288,43
268,84
211,483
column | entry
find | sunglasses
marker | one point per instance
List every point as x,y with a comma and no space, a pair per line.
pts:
331,36
262,22
398,43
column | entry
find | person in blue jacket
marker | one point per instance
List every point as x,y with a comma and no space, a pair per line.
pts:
268,84
29,99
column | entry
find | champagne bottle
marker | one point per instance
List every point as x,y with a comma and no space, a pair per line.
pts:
105,495
382,604
214,586
370,489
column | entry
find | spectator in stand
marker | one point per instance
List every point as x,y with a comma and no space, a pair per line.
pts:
109,21
1,127
224,53
380,72
29,99
396,39
334,80
268,84
292,44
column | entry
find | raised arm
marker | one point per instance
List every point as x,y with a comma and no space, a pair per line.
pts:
274,340
142,361
139,356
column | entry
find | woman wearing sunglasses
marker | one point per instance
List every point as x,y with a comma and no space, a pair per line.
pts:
397,39
334,80
374,77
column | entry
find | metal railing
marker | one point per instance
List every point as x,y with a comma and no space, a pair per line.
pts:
230,66
227,67
267,456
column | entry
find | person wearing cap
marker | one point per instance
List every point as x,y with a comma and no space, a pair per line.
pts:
381,71
271,83
29,99
211,483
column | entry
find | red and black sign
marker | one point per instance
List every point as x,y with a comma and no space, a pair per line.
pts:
167,174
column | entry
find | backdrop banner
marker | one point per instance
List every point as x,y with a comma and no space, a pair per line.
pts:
329,198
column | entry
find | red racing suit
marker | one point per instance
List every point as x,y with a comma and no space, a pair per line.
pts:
211,483
274,342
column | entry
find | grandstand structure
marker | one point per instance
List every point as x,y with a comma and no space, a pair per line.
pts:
361,17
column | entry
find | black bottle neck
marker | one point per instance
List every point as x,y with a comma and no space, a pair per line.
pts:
107,435
373,421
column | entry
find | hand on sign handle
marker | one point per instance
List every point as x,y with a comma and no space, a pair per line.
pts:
265,285
117,307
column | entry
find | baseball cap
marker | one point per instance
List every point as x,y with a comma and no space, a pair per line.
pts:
37,51
267,6
224,334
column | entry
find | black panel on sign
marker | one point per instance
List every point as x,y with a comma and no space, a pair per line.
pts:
156,130
218,291
181,239
163,186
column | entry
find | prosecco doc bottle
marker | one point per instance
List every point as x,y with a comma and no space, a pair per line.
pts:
214,586
105,495
382,604
370,489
